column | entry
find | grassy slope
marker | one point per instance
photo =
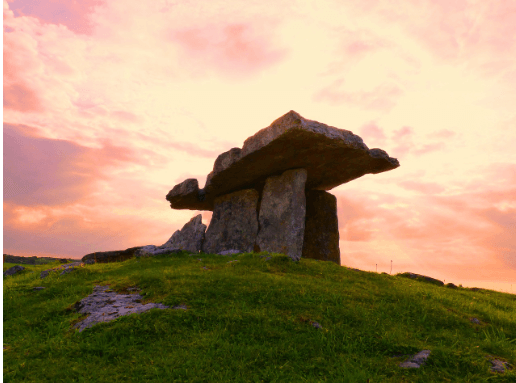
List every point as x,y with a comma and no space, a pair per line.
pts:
250,321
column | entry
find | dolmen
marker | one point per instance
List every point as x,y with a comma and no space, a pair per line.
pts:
271,195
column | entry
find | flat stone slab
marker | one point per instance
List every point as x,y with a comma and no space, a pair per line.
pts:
331,157
104,305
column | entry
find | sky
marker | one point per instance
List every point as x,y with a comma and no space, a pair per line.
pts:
108,105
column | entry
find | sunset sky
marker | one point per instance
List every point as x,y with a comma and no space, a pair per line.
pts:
108,105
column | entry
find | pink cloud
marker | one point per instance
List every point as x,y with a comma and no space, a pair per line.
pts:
423,187
371,132
383,97
444,133
404,132
75,15
428,148
479,34
43,171
234,49
126,116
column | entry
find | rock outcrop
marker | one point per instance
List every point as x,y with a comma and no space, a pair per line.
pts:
291,165
13,270
111,256
190,238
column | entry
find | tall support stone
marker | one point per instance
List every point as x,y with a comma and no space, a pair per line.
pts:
234,224
282,214
321,239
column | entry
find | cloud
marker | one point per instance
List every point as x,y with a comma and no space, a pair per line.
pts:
382,97
232,48
44,171
371,132
75,15
423,187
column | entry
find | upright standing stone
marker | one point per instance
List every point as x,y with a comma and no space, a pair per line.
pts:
234,223
321,227
282,214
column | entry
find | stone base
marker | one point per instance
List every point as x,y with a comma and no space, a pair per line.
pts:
321,239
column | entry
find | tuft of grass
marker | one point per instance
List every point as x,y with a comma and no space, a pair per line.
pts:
252,321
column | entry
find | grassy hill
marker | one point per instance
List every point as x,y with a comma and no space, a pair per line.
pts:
253,321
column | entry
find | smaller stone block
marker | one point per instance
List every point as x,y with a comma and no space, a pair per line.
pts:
234,224
321,239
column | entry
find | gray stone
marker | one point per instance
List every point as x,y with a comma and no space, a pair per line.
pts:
190,238
39,288
13,270
282,214
417,360
499,365
234,223
67,268
331,157
104,306
321,240
112,256
475,320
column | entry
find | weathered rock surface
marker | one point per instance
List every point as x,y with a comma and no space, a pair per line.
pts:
234,223
417,360
13,270
190,238
111,256
282,214
66,269
104,306
331,157
498,365
321,240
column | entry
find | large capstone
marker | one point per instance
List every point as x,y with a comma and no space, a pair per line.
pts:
282,214
321,227
234,224
331,157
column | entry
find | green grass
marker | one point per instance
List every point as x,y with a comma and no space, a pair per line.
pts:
250,321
